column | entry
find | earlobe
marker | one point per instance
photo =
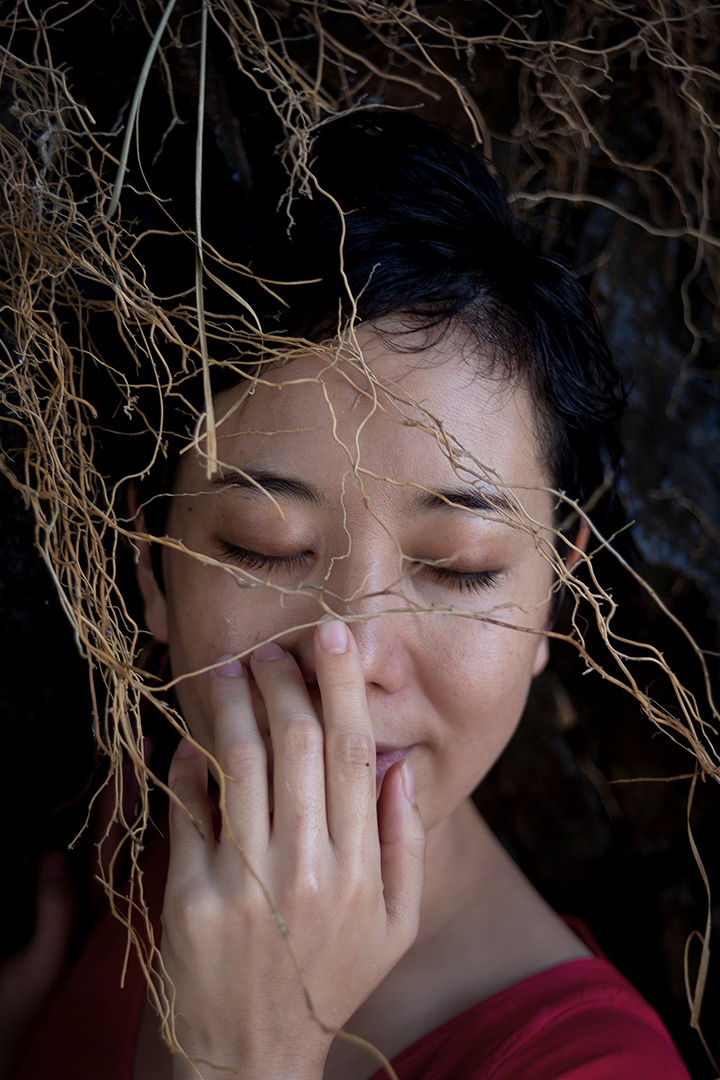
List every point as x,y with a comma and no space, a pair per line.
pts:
154,601
541,656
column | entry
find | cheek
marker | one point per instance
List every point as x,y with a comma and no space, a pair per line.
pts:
485,662
202,625
197,619
209,615
482,685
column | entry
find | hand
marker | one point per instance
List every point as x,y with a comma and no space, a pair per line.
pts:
343,872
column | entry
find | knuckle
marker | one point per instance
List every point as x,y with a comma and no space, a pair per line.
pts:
190,909
306,883
242,756
303,737
354,751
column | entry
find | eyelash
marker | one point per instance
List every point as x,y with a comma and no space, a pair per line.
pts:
256,560
484,579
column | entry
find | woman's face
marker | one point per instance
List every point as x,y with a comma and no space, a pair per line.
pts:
324,497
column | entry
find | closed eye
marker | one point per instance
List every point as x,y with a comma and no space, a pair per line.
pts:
259,560
458,579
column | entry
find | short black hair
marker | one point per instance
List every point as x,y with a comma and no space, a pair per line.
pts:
430,238
429,234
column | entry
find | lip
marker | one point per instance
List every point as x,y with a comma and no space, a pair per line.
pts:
384,758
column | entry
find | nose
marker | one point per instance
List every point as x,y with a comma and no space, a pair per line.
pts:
366,595
381,635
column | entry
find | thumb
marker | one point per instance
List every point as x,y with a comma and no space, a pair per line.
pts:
402,850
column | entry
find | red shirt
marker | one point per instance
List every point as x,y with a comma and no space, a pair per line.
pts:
580,1020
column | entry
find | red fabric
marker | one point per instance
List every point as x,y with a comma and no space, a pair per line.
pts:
578,1021
88,1032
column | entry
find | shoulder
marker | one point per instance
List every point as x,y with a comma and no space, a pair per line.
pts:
580,1020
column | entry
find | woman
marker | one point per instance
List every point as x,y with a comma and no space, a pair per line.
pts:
355,585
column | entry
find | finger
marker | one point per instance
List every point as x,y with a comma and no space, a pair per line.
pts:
349,739
297,742
402,850
240,752
191,830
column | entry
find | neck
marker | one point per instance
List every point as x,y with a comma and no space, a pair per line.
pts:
462,864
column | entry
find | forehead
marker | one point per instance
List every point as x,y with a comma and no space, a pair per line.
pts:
422,418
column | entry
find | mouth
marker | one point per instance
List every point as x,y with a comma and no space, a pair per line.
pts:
385,758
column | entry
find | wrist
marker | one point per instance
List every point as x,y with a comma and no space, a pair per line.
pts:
207,1067
198,1070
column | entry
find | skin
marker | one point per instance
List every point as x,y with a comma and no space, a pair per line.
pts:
297,729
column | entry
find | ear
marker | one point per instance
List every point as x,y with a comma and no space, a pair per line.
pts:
541,656
575,553
580,545
154,601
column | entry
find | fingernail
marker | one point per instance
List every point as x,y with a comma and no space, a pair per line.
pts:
186,749
229,668
333,636
271,651
408,781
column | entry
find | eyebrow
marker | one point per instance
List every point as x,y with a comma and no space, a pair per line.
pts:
483,499
260,481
